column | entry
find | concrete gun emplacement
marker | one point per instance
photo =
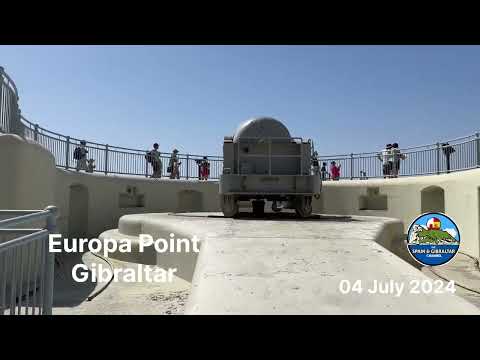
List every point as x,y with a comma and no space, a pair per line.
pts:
262,162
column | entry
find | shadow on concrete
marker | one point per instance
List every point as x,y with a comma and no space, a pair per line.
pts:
283,216
402,252
67,291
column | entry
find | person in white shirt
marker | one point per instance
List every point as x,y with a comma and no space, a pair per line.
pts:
386,157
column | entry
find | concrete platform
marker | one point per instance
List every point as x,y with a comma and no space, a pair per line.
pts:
465,271
284,265
118,298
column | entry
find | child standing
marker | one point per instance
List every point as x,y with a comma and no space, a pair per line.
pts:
323,171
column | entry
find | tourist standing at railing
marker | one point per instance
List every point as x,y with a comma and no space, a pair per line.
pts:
323,171
335,170
173,165
386,157
397,156
204,169
448,150
153,157
80,154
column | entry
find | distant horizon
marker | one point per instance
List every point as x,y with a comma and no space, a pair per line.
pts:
347,99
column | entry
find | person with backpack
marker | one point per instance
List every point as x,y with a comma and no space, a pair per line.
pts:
80,155
153,157
173,165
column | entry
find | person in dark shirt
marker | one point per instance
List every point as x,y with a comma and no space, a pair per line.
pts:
153,157
323,171
80,154
448,150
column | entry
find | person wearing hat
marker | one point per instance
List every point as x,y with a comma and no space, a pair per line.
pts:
173,165
80,154
386,157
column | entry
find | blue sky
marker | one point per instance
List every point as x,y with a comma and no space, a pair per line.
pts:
347,98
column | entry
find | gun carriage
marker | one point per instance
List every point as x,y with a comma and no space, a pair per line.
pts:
263,162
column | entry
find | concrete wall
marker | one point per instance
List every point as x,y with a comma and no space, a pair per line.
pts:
30,180
457,194
27,174
104,192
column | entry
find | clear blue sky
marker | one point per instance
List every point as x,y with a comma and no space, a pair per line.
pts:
347,98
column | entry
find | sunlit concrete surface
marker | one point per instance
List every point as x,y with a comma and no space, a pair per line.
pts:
118,298
283,265
464,271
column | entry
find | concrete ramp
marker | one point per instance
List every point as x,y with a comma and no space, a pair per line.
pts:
283,265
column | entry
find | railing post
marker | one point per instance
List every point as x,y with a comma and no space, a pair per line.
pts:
270,157
35,133
106,159
1,102
67,154
18,123
477,141
146,165
438,158
188,167
301,158
351,166
49,262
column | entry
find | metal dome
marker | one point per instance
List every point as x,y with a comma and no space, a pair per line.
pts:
261,127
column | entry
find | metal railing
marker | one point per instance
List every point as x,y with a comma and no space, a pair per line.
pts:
460,154
26,264
9,111
455,155
110,159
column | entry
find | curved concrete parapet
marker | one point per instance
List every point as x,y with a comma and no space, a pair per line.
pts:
158,226
282,265
29,174
456,194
